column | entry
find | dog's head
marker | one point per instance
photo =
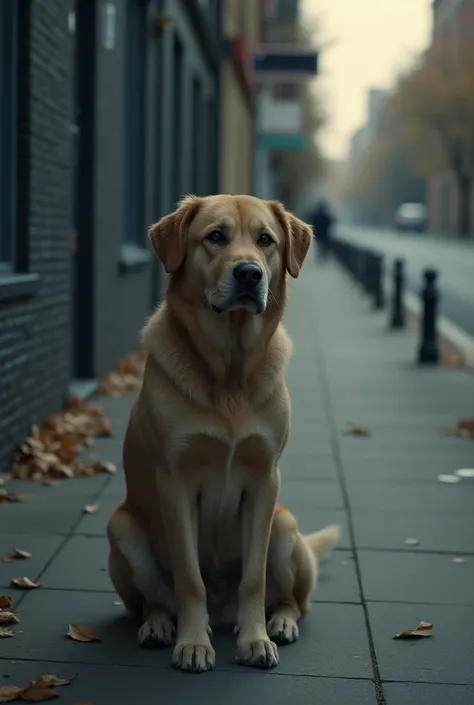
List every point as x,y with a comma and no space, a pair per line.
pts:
231,251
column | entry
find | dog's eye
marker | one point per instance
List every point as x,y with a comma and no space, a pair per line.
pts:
265,240
217,237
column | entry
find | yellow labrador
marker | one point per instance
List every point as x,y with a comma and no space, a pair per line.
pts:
200,538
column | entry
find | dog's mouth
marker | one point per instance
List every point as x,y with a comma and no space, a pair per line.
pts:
243,302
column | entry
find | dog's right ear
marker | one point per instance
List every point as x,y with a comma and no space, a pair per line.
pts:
168,235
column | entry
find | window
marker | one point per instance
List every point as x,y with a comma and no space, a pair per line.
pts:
7,134
135,122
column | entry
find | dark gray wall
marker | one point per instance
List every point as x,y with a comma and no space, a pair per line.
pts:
35,325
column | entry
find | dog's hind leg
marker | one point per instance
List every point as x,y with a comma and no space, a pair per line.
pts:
138,579
284,609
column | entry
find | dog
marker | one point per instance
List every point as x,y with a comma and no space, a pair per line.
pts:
200,539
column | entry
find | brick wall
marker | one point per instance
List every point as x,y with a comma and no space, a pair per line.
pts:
35,331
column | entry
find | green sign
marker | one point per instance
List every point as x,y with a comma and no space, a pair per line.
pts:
280,143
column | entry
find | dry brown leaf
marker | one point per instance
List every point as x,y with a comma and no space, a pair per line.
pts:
8,559
84,634
25,583
38,695
463,429
9,693
104,467
19,553
422,630
356,430
11,497
53,451
5,633
127,376
50,681
8,618
5,602
91,508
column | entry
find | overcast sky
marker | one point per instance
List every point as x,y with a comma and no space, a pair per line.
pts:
371,41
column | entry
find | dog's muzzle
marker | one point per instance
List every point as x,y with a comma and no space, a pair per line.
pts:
248,290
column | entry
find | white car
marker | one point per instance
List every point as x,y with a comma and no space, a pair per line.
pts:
411,216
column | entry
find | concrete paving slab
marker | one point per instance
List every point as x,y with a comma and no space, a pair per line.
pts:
125,685
428,694
308,494
42,548
388,530
430,499
447,657
324,649
426,578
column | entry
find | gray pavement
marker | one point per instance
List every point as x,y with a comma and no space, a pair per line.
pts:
382,489
454,260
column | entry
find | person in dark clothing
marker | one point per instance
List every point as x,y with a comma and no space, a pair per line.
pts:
322,220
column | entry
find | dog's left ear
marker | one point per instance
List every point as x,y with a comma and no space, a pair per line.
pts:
168,235
298,237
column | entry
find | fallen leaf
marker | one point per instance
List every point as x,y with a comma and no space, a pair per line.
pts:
91,508
9,693
459,560
127,376
8,618
411,542
5,633
356,430
25,583
84,634
422,630
52,452
449,479
6,496
50,681
465,472
5,602
38,695
8,559
117,603
463,429
19,553
104,466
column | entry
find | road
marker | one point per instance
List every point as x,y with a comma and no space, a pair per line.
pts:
454,261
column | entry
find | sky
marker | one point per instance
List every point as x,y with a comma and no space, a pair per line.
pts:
368,43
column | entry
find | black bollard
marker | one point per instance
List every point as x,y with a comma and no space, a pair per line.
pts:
397,319
377,281
428,352
367,271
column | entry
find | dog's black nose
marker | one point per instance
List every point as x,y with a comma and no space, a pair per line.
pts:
247,273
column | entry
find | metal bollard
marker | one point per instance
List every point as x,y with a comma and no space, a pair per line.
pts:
428,352
377,281
397,319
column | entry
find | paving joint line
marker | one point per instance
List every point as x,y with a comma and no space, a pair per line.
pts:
325,386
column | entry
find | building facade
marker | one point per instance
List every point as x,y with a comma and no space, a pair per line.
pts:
110,112
453,22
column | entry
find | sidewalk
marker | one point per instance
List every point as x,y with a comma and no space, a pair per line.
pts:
383,489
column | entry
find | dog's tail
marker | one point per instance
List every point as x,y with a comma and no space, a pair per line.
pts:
320,543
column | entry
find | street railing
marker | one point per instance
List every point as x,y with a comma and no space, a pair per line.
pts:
367,267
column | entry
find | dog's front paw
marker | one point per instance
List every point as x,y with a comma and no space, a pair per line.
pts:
261,653
158,631
283,630
194,658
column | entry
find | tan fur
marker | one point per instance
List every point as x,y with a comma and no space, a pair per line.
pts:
200,537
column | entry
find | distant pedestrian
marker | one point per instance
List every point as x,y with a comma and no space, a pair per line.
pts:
322,220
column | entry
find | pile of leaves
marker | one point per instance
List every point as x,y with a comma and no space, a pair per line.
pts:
39,689
52,452
463,429
127,376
